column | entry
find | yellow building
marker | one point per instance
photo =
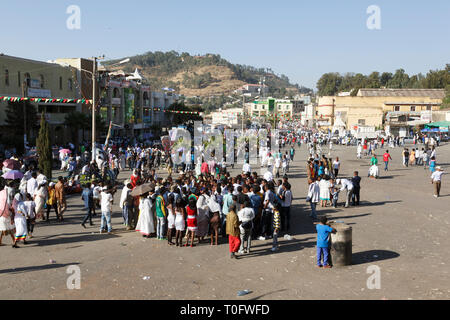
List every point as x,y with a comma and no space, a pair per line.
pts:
36,79
372,107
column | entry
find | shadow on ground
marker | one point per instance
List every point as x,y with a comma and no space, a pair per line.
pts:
36,268
373,256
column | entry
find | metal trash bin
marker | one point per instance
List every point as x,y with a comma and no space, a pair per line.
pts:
341,244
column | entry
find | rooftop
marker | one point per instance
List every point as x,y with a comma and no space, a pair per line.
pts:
431,93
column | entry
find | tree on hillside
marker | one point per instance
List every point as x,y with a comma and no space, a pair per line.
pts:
44,148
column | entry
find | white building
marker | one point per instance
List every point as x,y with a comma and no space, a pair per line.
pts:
229,117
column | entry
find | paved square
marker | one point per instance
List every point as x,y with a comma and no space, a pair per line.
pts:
399,227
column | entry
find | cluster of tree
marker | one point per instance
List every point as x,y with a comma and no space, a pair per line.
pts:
77,121
44,148
332,83
15,122
198,81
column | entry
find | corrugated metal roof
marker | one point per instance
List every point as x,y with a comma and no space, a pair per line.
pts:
431,93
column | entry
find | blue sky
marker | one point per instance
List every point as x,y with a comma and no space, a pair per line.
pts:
301,39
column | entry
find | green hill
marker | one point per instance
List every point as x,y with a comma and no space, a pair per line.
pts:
204,75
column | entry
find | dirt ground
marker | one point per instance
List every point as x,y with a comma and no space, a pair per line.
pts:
399,227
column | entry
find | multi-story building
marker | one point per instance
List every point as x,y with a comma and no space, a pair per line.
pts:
253,90
393,108
269,108
229,117
21,77
125,100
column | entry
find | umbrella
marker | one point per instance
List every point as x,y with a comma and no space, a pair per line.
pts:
143,188
13,175
11,164
65,151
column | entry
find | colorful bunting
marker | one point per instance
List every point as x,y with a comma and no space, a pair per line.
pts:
45,100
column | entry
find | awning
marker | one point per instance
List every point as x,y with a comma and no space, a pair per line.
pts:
417,122
439,124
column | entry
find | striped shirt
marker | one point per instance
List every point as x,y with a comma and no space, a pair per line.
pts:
276,219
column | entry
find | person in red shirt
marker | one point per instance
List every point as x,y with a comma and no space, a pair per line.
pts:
135,179
386,158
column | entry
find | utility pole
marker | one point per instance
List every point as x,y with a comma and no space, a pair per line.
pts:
332,114
94,98
24,89
94,88
242,116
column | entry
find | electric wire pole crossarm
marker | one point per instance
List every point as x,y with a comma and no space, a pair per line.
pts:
94,93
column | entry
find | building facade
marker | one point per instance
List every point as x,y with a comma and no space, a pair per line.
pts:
126,100
253,90
21,77
380,107
269,108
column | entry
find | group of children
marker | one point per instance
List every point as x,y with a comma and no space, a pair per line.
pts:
17,216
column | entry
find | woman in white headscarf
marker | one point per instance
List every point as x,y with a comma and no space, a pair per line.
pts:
203,215
40,197
146,221
6,214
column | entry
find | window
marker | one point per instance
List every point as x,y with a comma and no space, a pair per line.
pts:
18,79
413,108
60,83
27,78
69,84
6,77
42,81
361,122
429,107
397,108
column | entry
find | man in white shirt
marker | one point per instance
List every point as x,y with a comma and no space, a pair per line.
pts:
268,176
106,206
346,185
40,177
32,184
246,168
436,178
270,161
246,216
286,201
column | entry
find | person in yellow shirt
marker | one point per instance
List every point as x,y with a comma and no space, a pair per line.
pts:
51,202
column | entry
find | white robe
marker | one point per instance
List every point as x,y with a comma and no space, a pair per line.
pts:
374,172
20,221
146,222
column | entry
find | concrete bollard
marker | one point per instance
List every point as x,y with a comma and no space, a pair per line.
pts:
341,244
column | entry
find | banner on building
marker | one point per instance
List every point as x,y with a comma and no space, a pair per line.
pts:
129,105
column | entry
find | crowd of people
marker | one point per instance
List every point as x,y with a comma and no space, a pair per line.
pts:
204,200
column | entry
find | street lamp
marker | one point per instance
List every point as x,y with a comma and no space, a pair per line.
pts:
94,93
